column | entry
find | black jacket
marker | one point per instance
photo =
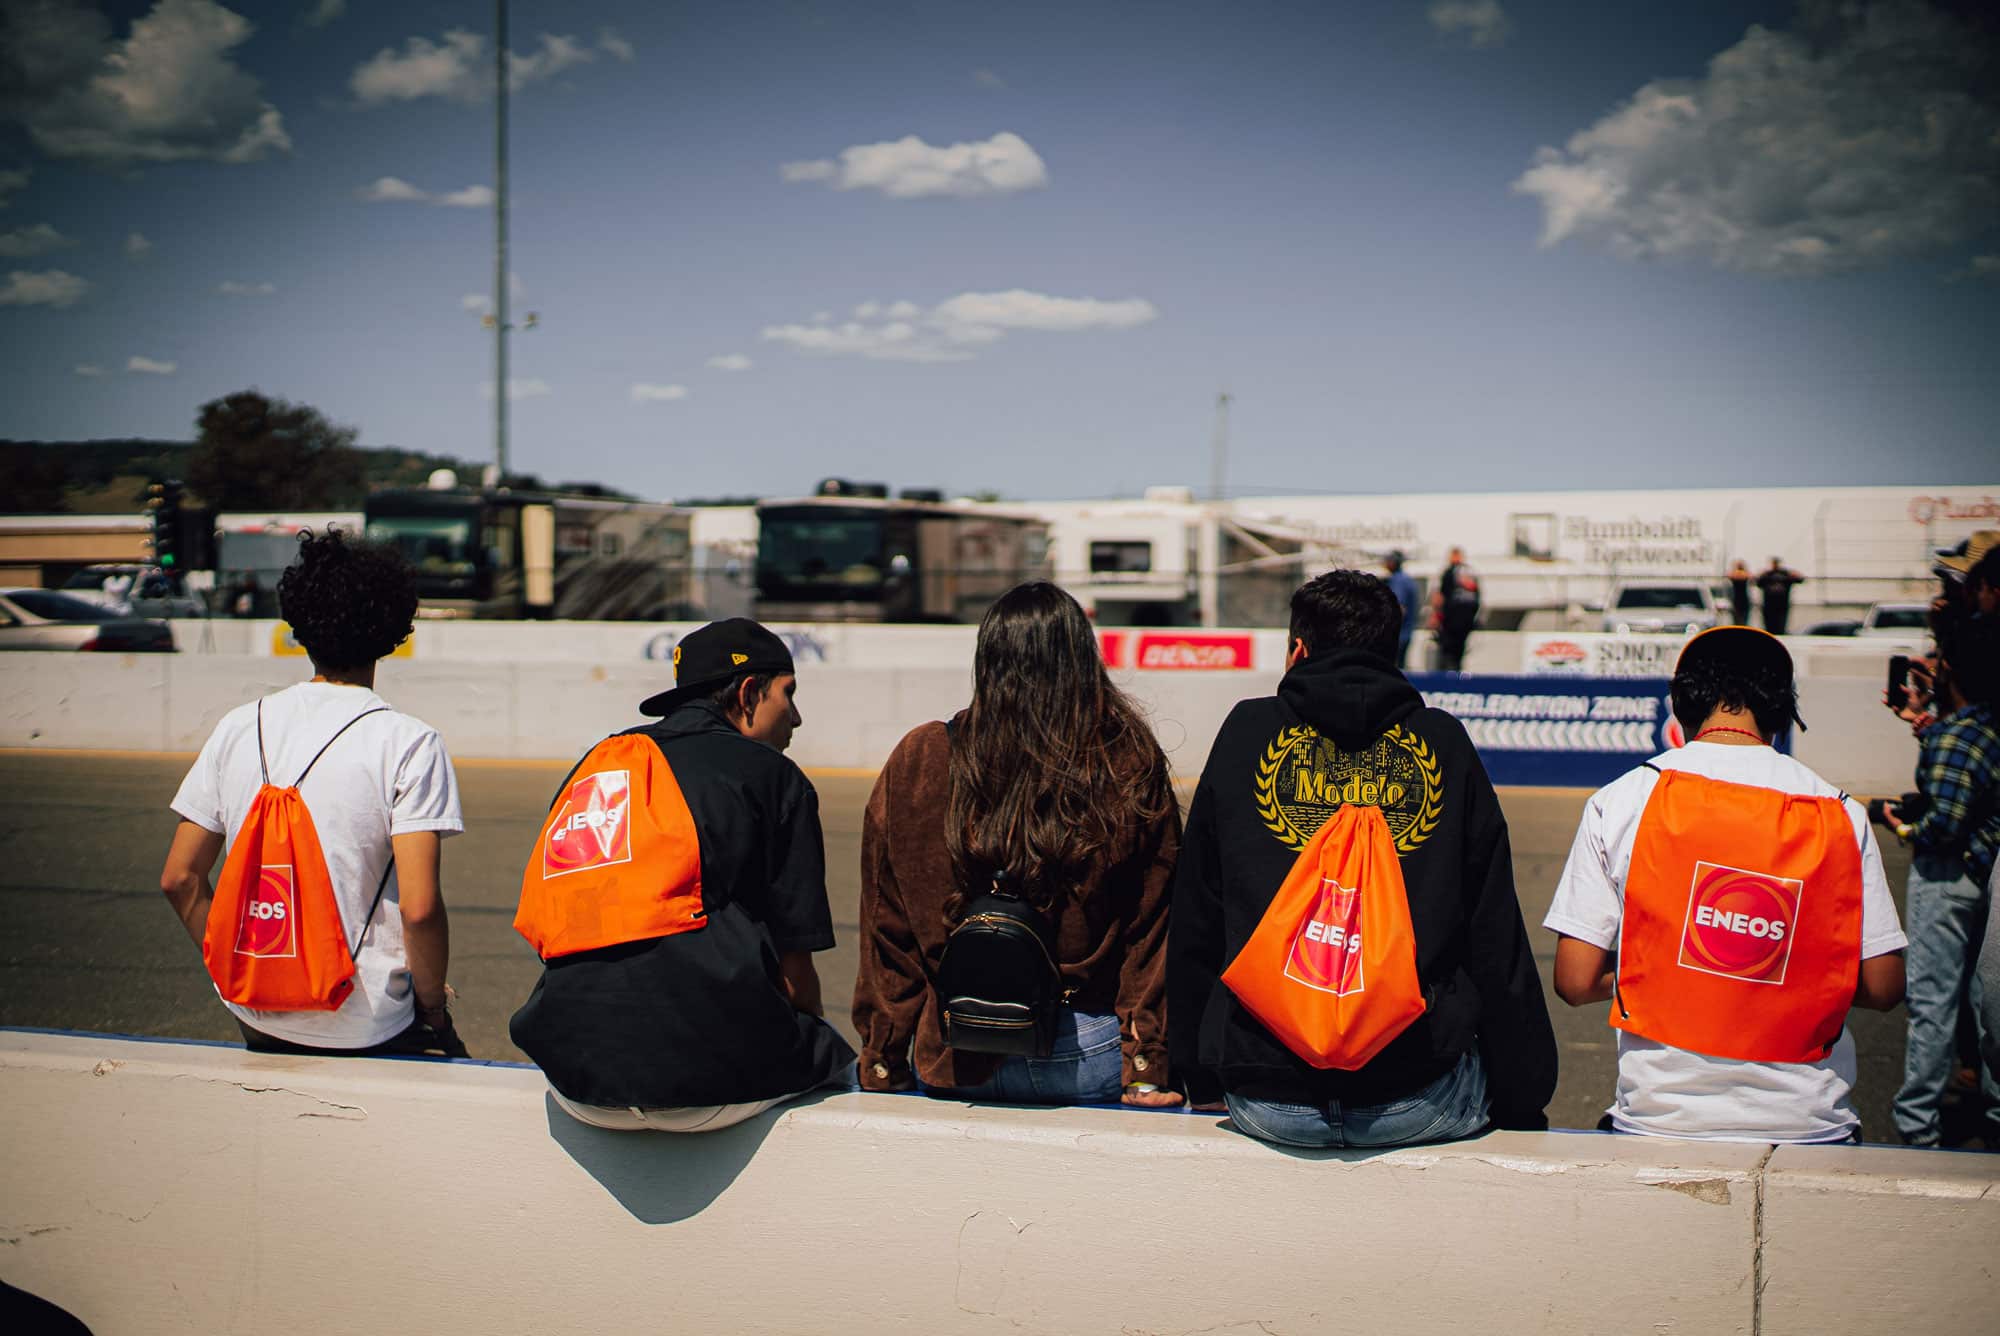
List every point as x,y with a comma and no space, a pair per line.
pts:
701,1017
1279,767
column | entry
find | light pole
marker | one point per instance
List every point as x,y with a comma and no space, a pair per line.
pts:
496,319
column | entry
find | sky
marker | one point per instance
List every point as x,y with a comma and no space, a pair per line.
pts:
1439,245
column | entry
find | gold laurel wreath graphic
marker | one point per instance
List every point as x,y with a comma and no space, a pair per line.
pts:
1429,813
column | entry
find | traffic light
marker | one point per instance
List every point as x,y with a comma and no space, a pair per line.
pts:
163,499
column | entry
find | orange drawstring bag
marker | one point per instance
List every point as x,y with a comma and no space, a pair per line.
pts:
274,939
618,859
1742,929
1331,968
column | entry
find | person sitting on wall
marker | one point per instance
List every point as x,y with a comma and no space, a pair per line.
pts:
1730,906
1347,739
676,895
1052,782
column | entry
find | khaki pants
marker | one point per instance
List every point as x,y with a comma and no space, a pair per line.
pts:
704,1118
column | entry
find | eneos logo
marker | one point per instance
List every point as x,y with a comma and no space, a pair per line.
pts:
1740,924
1326,954
593,828
270,916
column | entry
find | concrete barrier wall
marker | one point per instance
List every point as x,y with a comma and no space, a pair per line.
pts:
853,716
157,1187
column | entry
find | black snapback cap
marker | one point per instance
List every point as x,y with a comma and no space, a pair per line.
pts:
712,654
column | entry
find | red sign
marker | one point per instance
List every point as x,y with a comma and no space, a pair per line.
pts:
594,826
1562,653
270,916
1740,923
1326,954
1167,650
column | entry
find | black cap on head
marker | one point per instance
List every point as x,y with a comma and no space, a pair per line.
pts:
711,655
1745,653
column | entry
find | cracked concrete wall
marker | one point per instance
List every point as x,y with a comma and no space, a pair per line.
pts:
158,1187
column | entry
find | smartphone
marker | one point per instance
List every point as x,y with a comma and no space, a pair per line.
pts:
1899,681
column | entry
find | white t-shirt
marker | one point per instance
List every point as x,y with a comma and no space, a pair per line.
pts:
1669,1091
387,775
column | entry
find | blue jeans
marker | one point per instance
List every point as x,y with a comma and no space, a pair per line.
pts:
1946,921
1451,1107
1083,1067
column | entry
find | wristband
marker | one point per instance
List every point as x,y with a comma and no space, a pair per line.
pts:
1904,831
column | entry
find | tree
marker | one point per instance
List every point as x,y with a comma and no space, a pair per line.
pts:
255,453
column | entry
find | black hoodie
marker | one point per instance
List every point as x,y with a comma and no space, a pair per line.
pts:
1345,723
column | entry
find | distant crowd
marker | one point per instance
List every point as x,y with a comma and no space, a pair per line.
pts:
1328,946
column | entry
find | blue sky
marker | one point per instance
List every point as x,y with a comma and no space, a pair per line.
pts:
1449,246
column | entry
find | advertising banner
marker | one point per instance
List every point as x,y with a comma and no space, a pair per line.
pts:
1590,654
1572,732
1174,650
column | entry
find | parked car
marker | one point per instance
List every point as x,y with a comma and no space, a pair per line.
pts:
1839,626
1904,621
149,591
48,620
1676,606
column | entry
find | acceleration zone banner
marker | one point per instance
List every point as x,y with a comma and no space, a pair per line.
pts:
1575,732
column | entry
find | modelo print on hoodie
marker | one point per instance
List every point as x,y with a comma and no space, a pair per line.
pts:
1302,779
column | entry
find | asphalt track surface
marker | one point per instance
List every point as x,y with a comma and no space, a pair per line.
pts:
93,946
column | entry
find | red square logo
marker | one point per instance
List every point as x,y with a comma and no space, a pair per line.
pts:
1740,923
593,827
1326,953
270,926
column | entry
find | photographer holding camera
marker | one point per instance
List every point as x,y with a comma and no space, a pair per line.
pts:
1952,825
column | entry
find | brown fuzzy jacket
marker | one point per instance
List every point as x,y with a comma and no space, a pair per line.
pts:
1110,935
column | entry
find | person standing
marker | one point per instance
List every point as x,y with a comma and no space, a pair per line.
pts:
381,793
1739,592
1455,611
1731,907
1053,781
1404,587
1346,729
1953,841
1775,584
676,896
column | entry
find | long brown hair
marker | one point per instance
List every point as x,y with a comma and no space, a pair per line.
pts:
1053,767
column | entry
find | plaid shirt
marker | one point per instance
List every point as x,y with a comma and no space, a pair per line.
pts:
1958,770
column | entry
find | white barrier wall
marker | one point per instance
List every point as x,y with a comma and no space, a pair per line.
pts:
853,716
155,1187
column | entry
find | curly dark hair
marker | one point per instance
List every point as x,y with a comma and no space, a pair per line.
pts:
1771,699
348,604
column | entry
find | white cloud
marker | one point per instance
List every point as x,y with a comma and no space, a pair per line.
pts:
517,388
1477,23
395,190
232,288
902,331
89,369
611,44
477,302
23,242
472,197
988,79
1854,140
908,168
137,247
324,12
10,182
391,190
730,362
459,68
167,92
658,394
43,287
146,366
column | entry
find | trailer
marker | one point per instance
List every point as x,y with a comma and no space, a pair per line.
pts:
501,553
853,554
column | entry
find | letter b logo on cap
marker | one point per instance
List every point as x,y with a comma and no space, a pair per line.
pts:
1740,923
